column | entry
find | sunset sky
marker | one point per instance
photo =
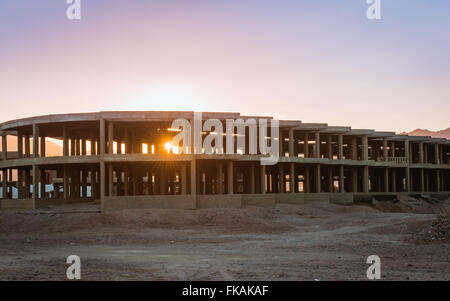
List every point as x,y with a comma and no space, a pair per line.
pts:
317,61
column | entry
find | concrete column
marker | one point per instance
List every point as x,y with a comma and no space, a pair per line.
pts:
72,146
354,148
307,185
126,187
42,176
20,145
386,179
408,180
394,180
318,178
407,151
438,180
340,146
292,178
330,179
35,140
93,182
420,152
83,147
425,153
385,150
366,179
65,142
27,184
281,143
27,146
110,137
43,146
110,179
365,147
392,149
436,153
219,178
263,178
341,179
317,145
306,145
4,183
329,147
354,179
19,183
84,176
193,177
230,175
77,147
282,179
35,183
422,180
291,143
4,147
102,162
183,178
252,178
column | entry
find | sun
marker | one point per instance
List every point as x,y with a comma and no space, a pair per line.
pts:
168,146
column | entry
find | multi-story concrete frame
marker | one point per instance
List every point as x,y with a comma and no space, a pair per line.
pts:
121,159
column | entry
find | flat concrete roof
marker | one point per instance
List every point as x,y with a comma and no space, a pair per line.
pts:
336,129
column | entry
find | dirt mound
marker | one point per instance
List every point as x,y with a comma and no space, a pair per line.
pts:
237,220
422,205
439,230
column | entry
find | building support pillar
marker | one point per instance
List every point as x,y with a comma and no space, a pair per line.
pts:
341,179
365,147
306,146
366,178
307,180
263,179
281,179
43,182
408,179
292,178
340,146
330,147
330,179
252,178
394,180
4,183
318,178
386,179
4,147
421,152
438,180
422,180
291,143
230,174
354,179
317,145
385,149
183,178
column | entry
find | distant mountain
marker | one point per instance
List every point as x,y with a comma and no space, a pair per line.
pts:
51,149
423,132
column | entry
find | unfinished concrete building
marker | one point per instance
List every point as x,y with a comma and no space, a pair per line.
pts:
123,160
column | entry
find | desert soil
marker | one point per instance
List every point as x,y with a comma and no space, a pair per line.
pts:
290,242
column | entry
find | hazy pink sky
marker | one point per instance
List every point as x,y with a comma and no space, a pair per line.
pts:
317,61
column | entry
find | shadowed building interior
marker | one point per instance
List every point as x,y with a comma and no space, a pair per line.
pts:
126,160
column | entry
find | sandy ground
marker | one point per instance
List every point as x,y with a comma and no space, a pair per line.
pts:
290,242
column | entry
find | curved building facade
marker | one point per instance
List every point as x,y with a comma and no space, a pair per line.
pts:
129,160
